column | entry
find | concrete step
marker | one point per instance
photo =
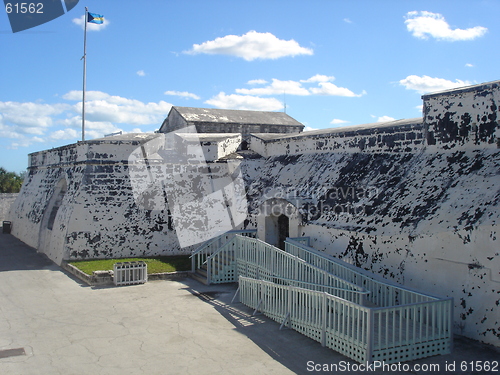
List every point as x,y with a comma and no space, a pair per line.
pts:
202,272
196,276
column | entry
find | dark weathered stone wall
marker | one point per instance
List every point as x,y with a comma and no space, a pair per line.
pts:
98,216
246,129
428,220
395,137
175,121
468,117
6,199
385,193
416,203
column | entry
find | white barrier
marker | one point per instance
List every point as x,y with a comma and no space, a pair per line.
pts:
128,273
365,334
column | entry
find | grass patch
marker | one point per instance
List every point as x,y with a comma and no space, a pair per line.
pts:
155,264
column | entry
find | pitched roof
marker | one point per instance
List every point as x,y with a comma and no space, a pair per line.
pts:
231,116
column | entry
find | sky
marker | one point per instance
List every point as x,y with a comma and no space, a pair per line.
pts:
327,63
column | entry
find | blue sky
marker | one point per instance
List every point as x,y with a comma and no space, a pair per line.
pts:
335,63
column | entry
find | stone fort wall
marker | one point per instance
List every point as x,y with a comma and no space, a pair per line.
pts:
423,212
6,200
413,200
401,136
97,216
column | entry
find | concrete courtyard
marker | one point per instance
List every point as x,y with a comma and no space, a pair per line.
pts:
52,323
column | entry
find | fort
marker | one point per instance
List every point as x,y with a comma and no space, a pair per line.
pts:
415,201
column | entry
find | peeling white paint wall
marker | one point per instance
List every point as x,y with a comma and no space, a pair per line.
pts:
418,204
6,200
415,201
394,136
98,216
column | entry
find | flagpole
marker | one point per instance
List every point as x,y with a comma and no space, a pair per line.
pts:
84,73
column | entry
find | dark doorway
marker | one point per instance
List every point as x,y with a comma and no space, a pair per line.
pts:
283,230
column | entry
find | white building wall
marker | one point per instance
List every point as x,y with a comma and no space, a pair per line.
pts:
418,205
6,199
413,201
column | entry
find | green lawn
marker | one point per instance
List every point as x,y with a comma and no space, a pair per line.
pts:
155,264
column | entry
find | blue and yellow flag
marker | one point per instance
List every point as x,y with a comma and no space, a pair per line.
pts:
95,18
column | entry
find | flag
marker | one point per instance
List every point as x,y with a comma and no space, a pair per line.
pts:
95,18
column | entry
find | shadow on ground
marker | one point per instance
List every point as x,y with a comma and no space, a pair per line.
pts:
303,355
296,352
16,255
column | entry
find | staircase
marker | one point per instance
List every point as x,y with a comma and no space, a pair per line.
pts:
355,313
203,256
200,274
219,265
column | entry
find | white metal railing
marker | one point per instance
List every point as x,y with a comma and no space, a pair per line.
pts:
365,334
260,260
302,240
382,292
200,255
245,256
327,300
128,273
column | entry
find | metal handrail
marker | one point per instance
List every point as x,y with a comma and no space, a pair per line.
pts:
357,272
321,285
390,334
209,242
197,257
204,245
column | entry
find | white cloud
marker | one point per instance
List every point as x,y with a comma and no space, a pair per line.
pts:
337,121
100,106
347,20
183,94
251,46
80,21
385,119
101,127
328,88
309,129
469,65
426,84
25,142
89,95
278,87
424,24
318,78
245,102
141,73
257,82
132,112
30,118
64,134
33,122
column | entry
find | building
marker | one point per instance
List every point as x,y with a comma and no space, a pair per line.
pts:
415,201
209,120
